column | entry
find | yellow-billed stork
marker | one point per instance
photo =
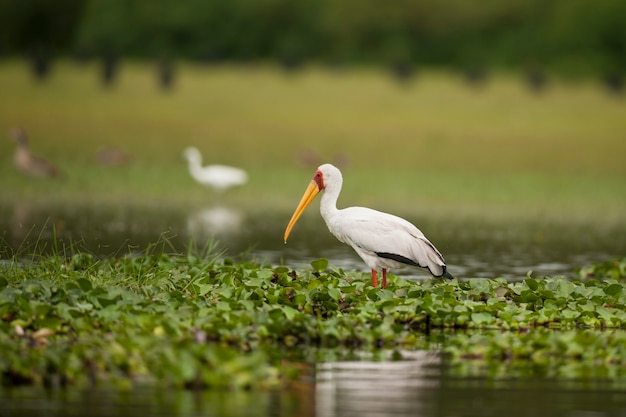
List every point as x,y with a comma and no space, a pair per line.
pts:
382,240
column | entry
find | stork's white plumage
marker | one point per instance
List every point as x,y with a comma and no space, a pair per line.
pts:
382,240
220,177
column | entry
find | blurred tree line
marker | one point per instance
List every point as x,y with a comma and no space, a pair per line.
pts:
566,36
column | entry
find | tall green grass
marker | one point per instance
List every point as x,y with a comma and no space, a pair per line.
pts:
433,145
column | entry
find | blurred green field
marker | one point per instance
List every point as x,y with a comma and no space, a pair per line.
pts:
433,145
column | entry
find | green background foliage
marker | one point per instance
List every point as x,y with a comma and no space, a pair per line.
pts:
568,36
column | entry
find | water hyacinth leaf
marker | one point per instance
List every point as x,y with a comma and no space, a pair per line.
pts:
586,306
276,313
284,279
388,306
529,297
415,293
479,285
271,298
223,306
84,284
564,288
605,314
547,294
48,322
320,265
300,299
518,287
247,304
256,282
334,293
620,314
493,301
224,292
482,318
613,289
84,307
227,279
40,309
290,313
349,289
24,305
32,287
461,308
532,284
596,291
264,274
313,284
384,294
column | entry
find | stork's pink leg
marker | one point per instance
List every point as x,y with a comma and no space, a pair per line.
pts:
374,280
384,278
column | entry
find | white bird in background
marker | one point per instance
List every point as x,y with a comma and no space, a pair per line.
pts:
382,240
220,177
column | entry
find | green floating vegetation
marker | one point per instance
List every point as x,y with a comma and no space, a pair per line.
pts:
611,269
198,322
573,354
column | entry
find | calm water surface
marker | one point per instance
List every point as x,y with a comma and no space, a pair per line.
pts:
480,247
416,386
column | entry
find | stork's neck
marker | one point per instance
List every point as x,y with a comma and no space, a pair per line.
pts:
195,163
328,205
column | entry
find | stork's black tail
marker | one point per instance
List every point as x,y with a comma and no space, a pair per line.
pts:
446,274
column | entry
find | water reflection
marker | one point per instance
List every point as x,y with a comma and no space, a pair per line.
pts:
370,388
144,401
472,248
214,222
421,385
417,385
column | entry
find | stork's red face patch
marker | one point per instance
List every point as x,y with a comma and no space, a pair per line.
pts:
319,179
